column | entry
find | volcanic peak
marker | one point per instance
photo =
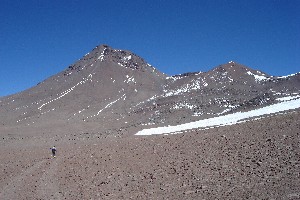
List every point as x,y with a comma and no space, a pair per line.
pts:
123,58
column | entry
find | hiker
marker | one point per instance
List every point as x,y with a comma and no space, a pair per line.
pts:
53,150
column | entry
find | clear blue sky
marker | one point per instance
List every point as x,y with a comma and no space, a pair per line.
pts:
39,38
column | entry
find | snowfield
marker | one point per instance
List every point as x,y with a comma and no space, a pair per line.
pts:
224,120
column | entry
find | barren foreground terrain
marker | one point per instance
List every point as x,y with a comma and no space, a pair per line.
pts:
253,160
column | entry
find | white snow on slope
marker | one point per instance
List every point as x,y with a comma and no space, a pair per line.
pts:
257,77
64,93
224,120
288,98
107,106
288,76
101,57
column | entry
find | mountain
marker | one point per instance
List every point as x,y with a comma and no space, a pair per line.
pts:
125,130
97,89
108,86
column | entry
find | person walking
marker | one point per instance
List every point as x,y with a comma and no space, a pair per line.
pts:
53,150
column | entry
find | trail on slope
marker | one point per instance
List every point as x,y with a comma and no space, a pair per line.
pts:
48,184
14,188
36,182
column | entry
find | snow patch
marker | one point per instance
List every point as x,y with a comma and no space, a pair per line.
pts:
174,78
109,105
183,105
101,57
257,77
229,119
288,98
194,85
197,114
283,77
129,79
127,57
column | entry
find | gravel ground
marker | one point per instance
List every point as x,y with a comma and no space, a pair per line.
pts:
254,160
